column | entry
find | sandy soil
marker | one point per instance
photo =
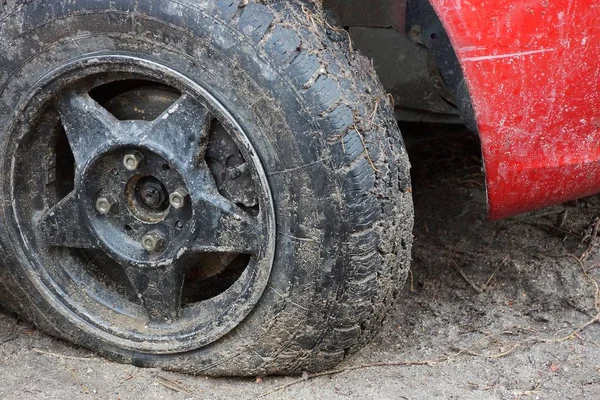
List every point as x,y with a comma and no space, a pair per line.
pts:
494,310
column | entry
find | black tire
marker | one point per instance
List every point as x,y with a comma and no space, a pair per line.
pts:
323,129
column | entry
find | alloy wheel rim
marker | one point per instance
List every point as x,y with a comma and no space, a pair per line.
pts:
147,196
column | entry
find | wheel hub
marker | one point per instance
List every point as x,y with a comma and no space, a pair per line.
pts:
152,193
138,199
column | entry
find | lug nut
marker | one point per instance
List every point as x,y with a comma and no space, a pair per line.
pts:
238,171
133,160
104,205
153,241
178,198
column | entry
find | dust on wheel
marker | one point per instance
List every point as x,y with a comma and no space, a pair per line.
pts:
135,238
202,186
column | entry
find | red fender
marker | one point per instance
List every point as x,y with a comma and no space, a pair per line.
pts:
533,70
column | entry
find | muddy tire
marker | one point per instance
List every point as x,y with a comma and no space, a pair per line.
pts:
290,230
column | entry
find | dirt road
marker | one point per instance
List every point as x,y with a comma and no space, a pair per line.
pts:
493,310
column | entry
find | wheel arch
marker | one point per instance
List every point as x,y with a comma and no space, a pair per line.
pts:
535,139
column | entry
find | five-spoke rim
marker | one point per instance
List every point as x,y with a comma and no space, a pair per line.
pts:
147,195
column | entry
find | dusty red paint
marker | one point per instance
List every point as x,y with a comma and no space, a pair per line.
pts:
533,69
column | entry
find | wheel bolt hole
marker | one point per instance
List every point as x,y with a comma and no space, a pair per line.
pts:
128,228
179,225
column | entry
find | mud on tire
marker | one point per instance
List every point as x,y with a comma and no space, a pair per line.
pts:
322,127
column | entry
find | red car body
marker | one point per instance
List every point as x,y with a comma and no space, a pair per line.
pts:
533,70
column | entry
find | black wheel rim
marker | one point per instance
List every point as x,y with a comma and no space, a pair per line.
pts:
147,217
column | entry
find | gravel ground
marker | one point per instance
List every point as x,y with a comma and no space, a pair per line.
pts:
493,310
